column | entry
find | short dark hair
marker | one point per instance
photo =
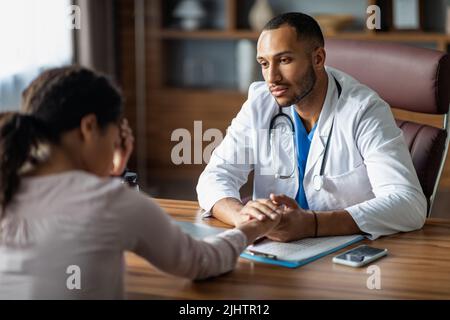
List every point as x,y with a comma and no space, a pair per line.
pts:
306,27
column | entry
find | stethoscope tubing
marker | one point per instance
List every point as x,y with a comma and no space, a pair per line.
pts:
280,114
317,179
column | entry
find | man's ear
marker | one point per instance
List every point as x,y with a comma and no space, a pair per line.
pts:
89,127
319,56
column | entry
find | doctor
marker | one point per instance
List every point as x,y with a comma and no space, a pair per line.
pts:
325,149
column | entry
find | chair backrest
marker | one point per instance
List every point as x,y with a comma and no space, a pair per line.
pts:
409,78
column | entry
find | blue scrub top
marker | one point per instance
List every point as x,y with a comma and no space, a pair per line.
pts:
303,143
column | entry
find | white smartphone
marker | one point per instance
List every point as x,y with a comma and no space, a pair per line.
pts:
359,256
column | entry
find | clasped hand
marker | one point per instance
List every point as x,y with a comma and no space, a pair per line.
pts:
295,223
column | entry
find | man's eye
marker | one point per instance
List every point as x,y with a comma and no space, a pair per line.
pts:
285,60
264,64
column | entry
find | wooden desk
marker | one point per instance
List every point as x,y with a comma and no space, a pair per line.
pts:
417,267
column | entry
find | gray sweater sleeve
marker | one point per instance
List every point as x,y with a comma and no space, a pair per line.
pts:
148,231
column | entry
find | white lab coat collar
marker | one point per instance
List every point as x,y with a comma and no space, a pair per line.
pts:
324,124
323,129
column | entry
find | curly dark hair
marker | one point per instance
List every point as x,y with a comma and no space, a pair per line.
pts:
54,103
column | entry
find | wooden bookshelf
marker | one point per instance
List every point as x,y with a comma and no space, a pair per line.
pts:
441,41
206,34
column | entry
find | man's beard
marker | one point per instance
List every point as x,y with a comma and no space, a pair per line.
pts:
306,86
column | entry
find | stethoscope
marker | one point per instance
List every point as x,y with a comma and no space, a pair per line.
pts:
284,123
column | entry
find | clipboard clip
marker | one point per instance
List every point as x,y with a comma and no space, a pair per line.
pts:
262,254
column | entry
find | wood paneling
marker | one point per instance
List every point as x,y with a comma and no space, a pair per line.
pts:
179,109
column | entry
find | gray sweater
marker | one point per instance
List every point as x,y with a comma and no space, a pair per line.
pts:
64,237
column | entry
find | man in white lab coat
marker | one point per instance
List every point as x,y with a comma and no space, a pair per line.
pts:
344,170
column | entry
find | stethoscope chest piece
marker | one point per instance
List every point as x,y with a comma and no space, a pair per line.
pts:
317,182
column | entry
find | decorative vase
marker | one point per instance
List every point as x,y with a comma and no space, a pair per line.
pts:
246,64
260,14
191,14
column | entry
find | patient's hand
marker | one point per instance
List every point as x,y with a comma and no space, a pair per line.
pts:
261,210
123,153
254,228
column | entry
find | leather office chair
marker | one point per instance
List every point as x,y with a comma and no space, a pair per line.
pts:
408,78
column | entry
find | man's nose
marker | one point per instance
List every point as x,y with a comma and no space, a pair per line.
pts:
273,75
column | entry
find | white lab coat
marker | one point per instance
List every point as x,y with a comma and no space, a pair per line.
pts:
368,170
